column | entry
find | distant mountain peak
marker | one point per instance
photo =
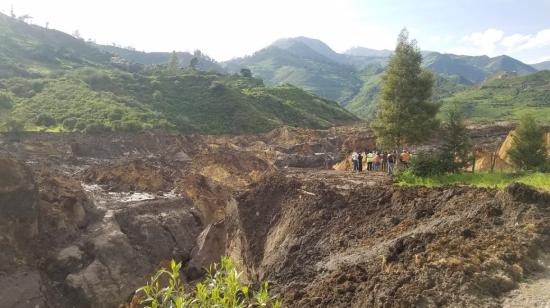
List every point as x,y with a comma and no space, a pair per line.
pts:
368,52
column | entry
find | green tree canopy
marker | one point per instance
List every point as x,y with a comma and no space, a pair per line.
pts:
405,113
174,63
194,62
245,72
456,142
528,150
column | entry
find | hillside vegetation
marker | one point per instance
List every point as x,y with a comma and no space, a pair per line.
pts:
506,97
52,81
354,77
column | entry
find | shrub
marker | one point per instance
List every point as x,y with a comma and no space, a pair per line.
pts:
528,150
96,128
69,123
216,87
45,119
80,125
426,164
131,125
116,114
221,288
157,96
5,101
14,125
245,72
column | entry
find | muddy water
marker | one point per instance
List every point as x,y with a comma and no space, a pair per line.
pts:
102,198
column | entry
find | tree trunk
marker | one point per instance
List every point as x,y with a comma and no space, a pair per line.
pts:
473,161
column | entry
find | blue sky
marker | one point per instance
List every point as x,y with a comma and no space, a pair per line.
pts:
232,28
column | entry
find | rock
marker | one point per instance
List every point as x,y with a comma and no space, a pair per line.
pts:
18,213
21,290
210,246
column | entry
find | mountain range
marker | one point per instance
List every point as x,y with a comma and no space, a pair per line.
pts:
40,68
542,65
53,81
354,78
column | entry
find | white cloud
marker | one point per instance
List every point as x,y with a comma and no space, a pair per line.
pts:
542,59
540,39
515,40
528,41
486,41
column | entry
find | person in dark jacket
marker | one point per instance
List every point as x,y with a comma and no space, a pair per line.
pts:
360,162
391,162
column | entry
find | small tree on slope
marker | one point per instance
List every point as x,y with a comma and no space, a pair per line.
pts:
174,63
528,149
456,143
405,114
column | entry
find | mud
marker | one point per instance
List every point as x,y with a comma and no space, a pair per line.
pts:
86,219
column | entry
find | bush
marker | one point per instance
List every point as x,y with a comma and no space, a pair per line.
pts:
528,150
45,119
221,288
5,101
157,96
424,164
69,123
80,125
116,114
131,125
96,128
14,125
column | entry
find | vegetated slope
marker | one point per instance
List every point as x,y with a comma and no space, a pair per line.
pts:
506,97
28,50
78,87
300,65
354,77
205,63
474,68
542,66
365,102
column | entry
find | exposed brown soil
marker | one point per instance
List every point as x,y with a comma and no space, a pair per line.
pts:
133,175
366,245
86,219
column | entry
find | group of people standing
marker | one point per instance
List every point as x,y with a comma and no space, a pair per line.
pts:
378,161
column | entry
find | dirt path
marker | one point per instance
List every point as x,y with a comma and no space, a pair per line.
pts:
533,293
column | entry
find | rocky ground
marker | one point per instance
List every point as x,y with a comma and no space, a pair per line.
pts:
86,219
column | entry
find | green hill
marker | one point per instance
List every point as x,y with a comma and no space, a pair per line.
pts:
506,97
300,65
354,77
364,103
71,85
474,68
205,63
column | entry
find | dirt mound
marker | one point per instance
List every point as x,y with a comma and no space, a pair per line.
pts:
133,175
209,197
18,212
63,207
483,163
231,168
293,135
359,246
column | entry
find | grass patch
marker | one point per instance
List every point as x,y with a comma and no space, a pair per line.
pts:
489,180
